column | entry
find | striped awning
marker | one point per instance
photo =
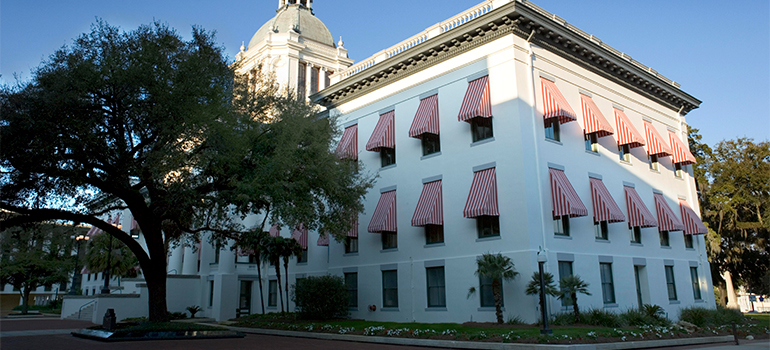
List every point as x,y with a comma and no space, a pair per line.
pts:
348,146
482,199
85,271
655,143
430,209
667,220
638,214
134,224
275,230
245,252
384,135
681,151
426,118
384,217
299,234
554,103
593,119
476,102
93,231
354,230
565,199
627,134
692,223
605,208
323,240
116,221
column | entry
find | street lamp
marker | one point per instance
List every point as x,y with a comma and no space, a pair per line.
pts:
78,239
541,260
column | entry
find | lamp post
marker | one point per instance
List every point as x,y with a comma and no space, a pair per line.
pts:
78,239
541,260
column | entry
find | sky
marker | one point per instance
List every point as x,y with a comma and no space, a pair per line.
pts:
718,51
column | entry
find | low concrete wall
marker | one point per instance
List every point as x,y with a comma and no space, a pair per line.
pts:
72,303
125,305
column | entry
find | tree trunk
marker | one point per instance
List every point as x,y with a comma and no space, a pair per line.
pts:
286,281
25,291
261,292
497,294
575,306
278,276
155,277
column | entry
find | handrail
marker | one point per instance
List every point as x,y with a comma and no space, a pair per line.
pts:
175,272
84,305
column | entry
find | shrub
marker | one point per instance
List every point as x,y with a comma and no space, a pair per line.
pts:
515,320
562,319
177,315
599,317
644,317
702,317
193,310
321,298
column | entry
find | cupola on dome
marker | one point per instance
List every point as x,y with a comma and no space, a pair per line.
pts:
295,15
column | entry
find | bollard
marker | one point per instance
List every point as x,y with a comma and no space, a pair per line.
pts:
735,334
108,323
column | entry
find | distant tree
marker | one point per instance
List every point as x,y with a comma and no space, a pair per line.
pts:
34,255
122,262
273,252
254,243
289,248
498,268
570,287
533,287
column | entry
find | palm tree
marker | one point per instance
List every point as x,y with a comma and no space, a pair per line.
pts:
290,248
533,287
272,255
496,267
570,286
255,243
104,252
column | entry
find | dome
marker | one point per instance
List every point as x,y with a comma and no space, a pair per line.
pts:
300,19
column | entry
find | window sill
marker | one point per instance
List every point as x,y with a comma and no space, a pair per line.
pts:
389,308
302,263
490,308
665,247
433,245
490,238
637,244
562,236
679,177
388,250
672,302
212,264
699,301
602,240
593,153
388,167
554,141
271,307
610,305
432,155
350,254
690,249
481,142
626,162
655,171
436,308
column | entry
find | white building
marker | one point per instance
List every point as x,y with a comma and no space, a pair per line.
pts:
502,129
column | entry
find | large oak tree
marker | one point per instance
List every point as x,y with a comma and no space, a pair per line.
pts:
147,121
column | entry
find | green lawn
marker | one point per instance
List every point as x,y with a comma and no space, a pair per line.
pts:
763,318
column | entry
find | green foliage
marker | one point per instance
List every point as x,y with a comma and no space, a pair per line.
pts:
122,261
321,298
515,320
569,287
177,315
703,317
533,286
600,317
498,268
193,310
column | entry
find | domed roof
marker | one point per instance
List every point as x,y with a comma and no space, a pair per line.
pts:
300,19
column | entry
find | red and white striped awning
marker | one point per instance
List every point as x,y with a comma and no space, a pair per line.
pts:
476,102
116,221
681,152
426,118
482,199
430,208
348,146
593,119
667,220
85,271
384,217
655,143
384,135
627,134
134,224
354,230
275,230
323,240
299,234
93,231
605,207
692,223
565,199
554,103
638,214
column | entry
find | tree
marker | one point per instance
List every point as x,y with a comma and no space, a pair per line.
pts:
533,287
122,262
273,252
498,268
255,244
146,121
289,248
33,255
570,287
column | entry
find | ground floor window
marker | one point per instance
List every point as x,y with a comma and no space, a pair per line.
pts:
670,283
436,286
390,288
351,282
565,270
245,298
211,293
272,293
487,295
695,282
608,289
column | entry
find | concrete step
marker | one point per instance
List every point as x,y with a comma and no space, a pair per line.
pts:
85,314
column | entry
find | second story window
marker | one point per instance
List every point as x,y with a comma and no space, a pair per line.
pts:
430,144
481,129
591,142
653,159
664,239
552,129
383,139
636,235
678,172
387,156
425,125
624,151
389,240
601,230
561,225
477,109
351,245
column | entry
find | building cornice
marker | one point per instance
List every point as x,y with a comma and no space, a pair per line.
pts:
523,19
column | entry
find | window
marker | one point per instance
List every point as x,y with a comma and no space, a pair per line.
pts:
217,249
351,245
664,242
608,290
561,225
565,269
327,81
431,143
47,288
314,73
351,282
481,128
624,151
436,286
552,129
688,241
434,234
390,288
601,230
670,283
678,170
389,240
486,295
636,234
387,156
252,258
695,282
488,226
211,293
245,297
86,292
591,141
88,278
301,81
272,293
302,258
653,161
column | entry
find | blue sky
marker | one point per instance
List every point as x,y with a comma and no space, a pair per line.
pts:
719,51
